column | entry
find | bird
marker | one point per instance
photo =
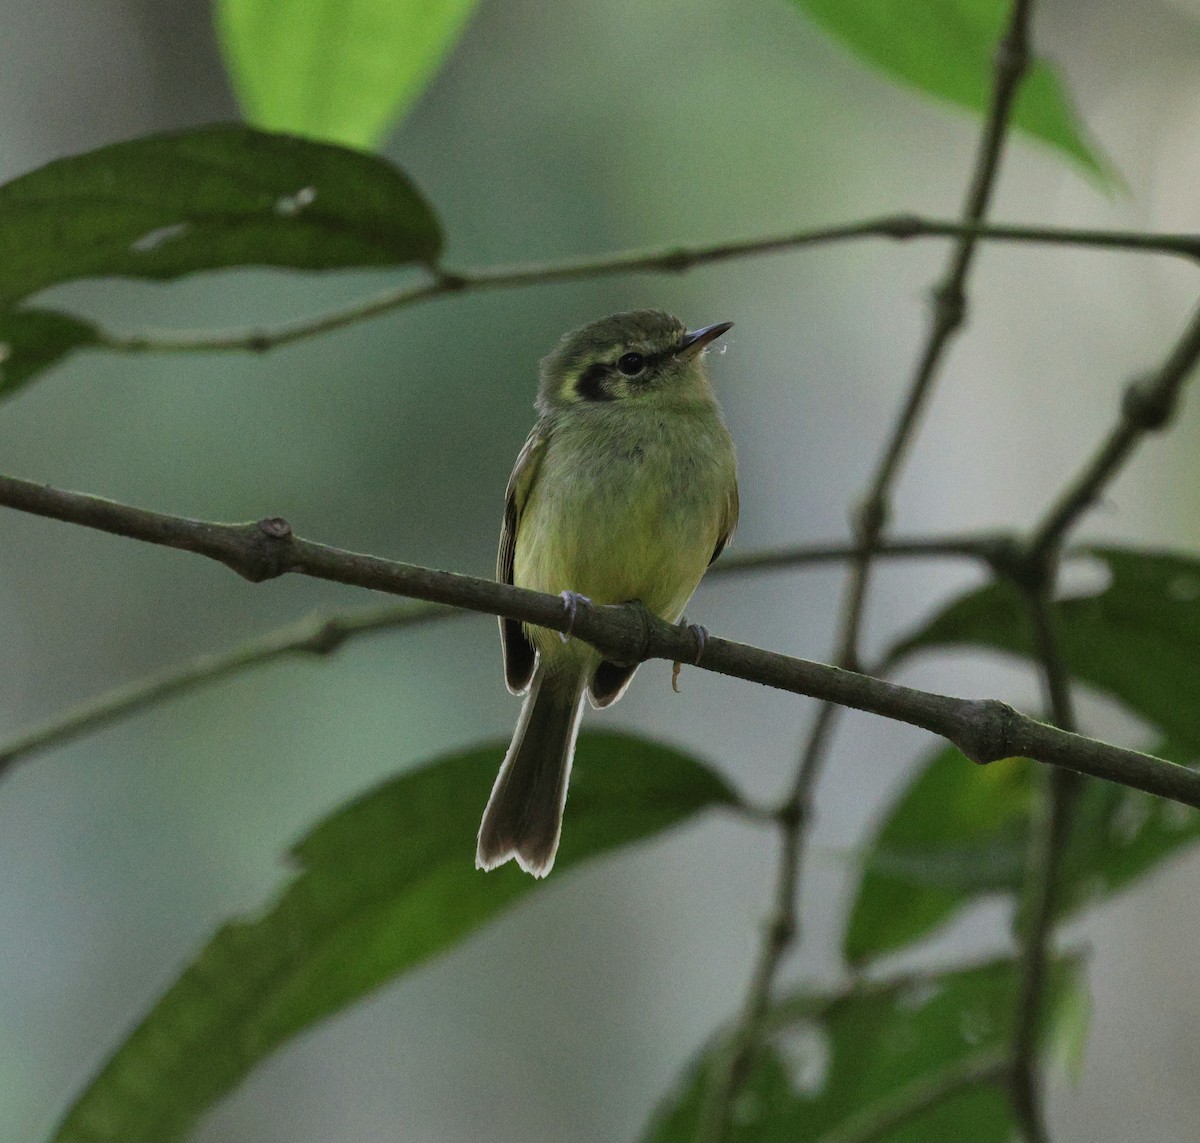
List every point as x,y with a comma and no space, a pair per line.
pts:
625,490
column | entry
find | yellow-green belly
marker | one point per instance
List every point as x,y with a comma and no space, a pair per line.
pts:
617,520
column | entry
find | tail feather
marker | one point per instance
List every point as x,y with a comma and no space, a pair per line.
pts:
523,818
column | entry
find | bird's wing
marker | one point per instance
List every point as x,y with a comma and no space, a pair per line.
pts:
519,655
729,519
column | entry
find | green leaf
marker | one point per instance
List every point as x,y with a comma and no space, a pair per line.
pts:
835,1062
210,198
957,833
947,48
1135,640
960,834
1120,835
382,884
32,340
342,70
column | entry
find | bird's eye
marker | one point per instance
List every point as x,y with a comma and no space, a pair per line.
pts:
631,364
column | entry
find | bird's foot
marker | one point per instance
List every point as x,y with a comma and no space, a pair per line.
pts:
700,634
572,601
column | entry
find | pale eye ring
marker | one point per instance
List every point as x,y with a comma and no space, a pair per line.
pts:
631,364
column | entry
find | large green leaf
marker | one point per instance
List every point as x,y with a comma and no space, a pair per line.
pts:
32,340
213,197
382,884
341,70
959,834
1136,639
946,48
834,1061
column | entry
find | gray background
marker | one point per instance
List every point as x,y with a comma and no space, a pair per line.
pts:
558,130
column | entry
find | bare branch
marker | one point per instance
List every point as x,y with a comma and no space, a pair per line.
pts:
316,636
984,730
871,518
323,633
667,260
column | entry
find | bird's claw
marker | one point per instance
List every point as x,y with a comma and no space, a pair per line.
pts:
700,634
572,601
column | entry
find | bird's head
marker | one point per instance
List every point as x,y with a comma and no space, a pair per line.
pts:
643,355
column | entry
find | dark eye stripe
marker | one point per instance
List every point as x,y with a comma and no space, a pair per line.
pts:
591,385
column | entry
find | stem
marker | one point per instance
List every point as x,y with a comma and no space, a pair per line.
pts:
667,260
949,312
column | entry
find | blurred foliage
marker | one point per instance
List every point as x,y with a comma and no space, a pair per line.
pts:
959,834
386,882
930,1045
342,72
945,48
206,199
1135,639
381,885
35,339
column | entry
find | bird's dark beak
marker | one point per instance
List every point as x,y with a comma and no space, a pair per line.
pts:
695,341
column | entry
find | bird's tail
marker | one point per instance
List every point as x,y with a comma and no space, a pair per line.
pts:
523,818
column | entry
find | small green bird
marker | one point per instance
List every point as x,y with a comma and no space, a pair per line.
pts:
626,489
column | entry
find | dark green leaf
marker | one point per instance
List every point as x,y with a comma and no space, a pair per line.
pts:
214,197
947,48
927,1045
1135,640
341,72
1120,835
957,833
32,340
383,884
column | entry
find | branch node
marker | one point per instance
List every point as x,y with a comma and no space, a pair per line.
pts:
450,279
676,261
266,551
869,519
257,341
1148,406
904,226
327,638
949,305
986,734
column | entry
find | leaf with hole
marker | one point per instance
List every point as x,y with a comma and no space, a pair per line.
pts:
382,884
959,834
1135,639
207,199
918,1059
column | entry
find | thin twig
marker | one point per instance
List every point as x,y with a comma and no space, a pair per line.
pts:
985,730
317,635
668,260
1049,832
1148,406
949,309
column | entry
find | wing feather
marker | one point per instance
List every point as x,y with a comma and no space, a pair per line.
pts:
520,658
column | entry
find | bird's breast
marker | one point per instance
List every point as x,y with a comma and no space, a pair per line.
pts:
628,512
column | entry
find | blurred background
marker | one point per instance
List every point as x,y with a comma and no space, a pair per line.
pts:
560,130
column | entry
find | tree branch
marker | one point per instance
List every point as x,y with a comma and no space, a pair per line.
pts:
870,521
317,635
667,260
984,730
1148,406
323,633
